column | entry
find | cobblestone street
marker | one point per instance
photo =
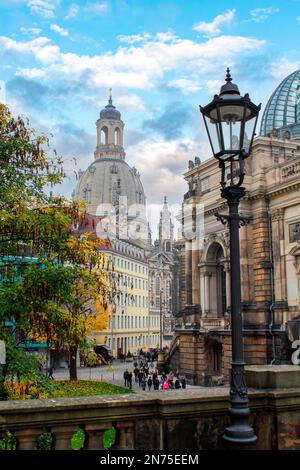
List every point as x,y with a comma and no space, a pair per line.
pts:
104,374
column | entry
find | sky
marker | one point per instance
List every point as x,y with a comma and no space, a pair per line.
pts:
162,59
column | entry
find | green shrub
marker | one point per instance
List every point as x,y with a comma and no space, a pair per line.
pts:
109,438
8,442
44,441
77,441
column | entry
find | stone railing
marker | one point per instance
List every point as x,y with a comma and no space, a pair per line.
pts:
293,169
189,420
208,323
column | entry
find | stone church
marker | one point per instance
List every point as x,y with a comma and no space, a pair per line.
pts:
116,211
270,252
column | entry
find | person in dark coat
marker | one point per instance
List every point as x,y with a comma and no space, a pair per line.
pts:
183,382
50,372
129,379
149,382
141,376
177,384
156,383
143,383
125,375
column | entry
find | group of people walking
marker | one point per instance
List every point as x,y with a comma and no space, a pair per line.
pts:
146,378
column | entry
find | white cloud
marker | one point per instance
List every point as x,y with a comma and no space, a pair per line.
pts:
130,102
142,65
213,28
213,86
39,47
2,92
261,14
134,38
283,68
57,29
159,162
185,85
73,11
34,31
30,73
97,7
43,8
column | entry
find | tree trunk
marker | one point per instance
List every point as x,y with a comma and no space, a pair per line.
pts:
73,365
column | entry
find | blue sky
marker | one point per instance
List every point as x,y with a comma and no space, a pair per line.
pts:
162,59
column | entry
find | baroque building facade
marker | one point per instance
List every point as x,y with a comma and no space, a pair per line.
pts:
270,254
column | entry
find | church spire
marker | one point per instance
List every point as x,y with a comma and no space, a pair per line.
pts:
165,227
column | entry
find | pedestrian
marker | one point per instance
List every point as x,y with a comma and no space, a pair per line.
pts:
129,379
125,375
183,382
136,373
50,372
140,376
166,385
149,382
171,376
156,383
161,382
143,383
177,384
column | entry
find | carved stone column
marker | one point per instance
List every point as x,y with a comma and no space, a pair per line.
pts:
95,433
207,292
297,267
63,435
27,438
278,255
202,293
126,429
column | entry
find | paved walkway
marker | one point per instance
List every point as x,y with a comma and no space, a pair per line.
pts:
105,374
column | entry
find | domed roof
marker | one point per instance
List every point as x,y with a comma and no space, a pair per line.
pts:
105,180
283,107
110,111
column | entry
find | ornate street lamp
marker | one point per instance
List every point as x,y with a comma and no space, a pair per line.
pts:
230,121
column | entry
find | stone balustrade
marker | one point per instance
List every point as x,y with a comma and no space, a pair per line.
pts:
208,323
190,420
293,169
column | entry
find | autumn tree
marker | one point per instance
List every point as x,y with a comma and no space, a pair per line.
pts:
63,294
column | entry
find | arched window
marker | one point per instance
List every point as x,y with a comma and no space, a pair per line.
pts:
104,135
117,137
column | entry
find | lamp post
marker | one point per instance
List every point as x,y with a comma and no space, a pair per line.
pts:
230,122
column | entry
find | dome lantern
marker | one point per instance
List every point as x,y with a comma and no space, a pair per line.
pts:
110,130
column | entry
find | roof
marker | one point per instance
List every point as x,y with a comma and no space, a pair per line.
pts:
283,107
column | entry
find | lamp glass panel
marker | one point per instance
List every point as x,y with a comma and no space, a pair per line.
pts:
214,134
231,135
248,133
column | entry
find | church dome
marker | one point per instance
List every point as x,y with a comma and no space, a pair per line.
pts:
107,179
283,108
110,112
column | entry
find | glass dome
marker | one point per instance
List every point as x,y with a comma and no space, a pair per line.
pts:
283,108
